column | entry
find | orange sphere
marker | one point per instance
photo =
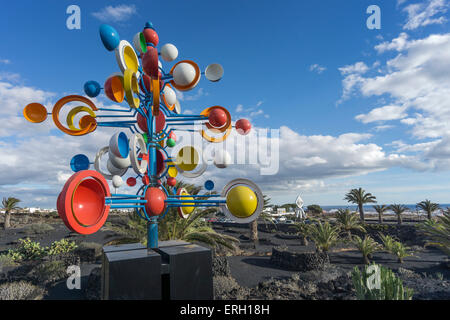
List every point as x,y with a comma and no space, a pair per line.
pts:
171,181
155,201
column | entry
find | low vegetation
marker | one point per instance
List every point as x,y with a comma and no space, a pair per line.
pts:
379,283
439,232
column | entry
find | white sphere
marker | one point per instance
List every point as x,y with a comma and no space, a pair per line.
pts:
118,162
117,181
169,52
184,74
170,95
222,158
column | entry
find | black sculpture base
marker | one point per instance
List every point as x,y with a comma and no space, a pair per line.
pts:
177,270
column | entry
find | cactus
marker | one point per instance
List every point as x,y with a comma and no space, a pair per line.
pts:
379,283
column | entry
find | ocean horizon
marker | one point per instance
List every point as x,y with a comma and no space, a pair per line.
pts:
412,209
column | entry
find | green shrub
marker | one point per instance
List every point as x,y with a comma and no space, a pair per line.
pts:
385,287
324,235
61,246
27,250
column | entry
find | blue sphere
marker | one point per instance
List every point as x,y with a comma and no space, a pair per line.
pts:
209,185
92,89
110,37
79,162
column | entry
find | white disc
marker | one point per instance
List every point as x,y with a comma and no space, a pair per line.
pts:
119,162
177,109
170,95
169,52
214,72
139,167
115,171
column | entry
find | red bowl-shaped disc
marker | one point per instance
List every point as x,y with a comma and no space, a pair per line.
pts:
160,164
81,204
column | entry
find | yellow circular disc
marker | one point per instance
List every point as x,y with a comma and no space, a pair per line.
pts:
187,158
131,87
172,172
241,201
187,210
130,57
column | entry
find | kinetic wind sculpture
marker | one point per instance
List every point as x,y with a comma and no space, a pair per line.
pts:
153,116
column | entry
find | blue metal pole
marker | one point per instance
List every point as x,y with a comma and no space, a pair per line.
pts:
152,234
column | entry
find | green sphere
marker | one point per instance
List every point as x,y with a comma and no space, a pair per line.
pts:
170,143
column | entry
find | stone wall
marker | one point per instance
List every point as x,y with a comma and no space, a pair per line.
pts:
299,261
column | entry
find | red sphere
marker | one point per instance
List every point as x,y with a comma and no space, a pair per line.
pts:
171,181
146,180
151,36
155,201
142,122
243,126
131,182
217,118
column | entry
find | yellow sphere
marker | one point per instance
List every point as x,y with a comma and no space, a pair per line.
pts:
187,210
242,201
187,158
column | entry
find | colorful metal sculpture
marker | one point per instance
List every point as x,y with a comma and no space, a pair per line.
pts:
153,116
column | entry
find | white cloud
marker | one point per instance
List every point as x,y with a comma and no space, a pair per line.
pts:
317,68
359,67
5,61
118,13
425,13
415,87
239,108
383,114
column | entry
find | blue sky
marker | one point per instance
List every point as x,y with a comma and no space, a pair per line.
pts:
359,107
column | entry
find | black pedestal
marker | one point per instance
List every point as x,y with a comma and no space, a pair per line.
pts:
176,270
190,272
131,273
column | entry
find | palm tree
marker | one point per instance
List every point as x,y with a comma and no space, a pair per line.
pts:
348,221
254,223
439,232
360,197
9,204
381,210
428,206
324,235
398,210
367,246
